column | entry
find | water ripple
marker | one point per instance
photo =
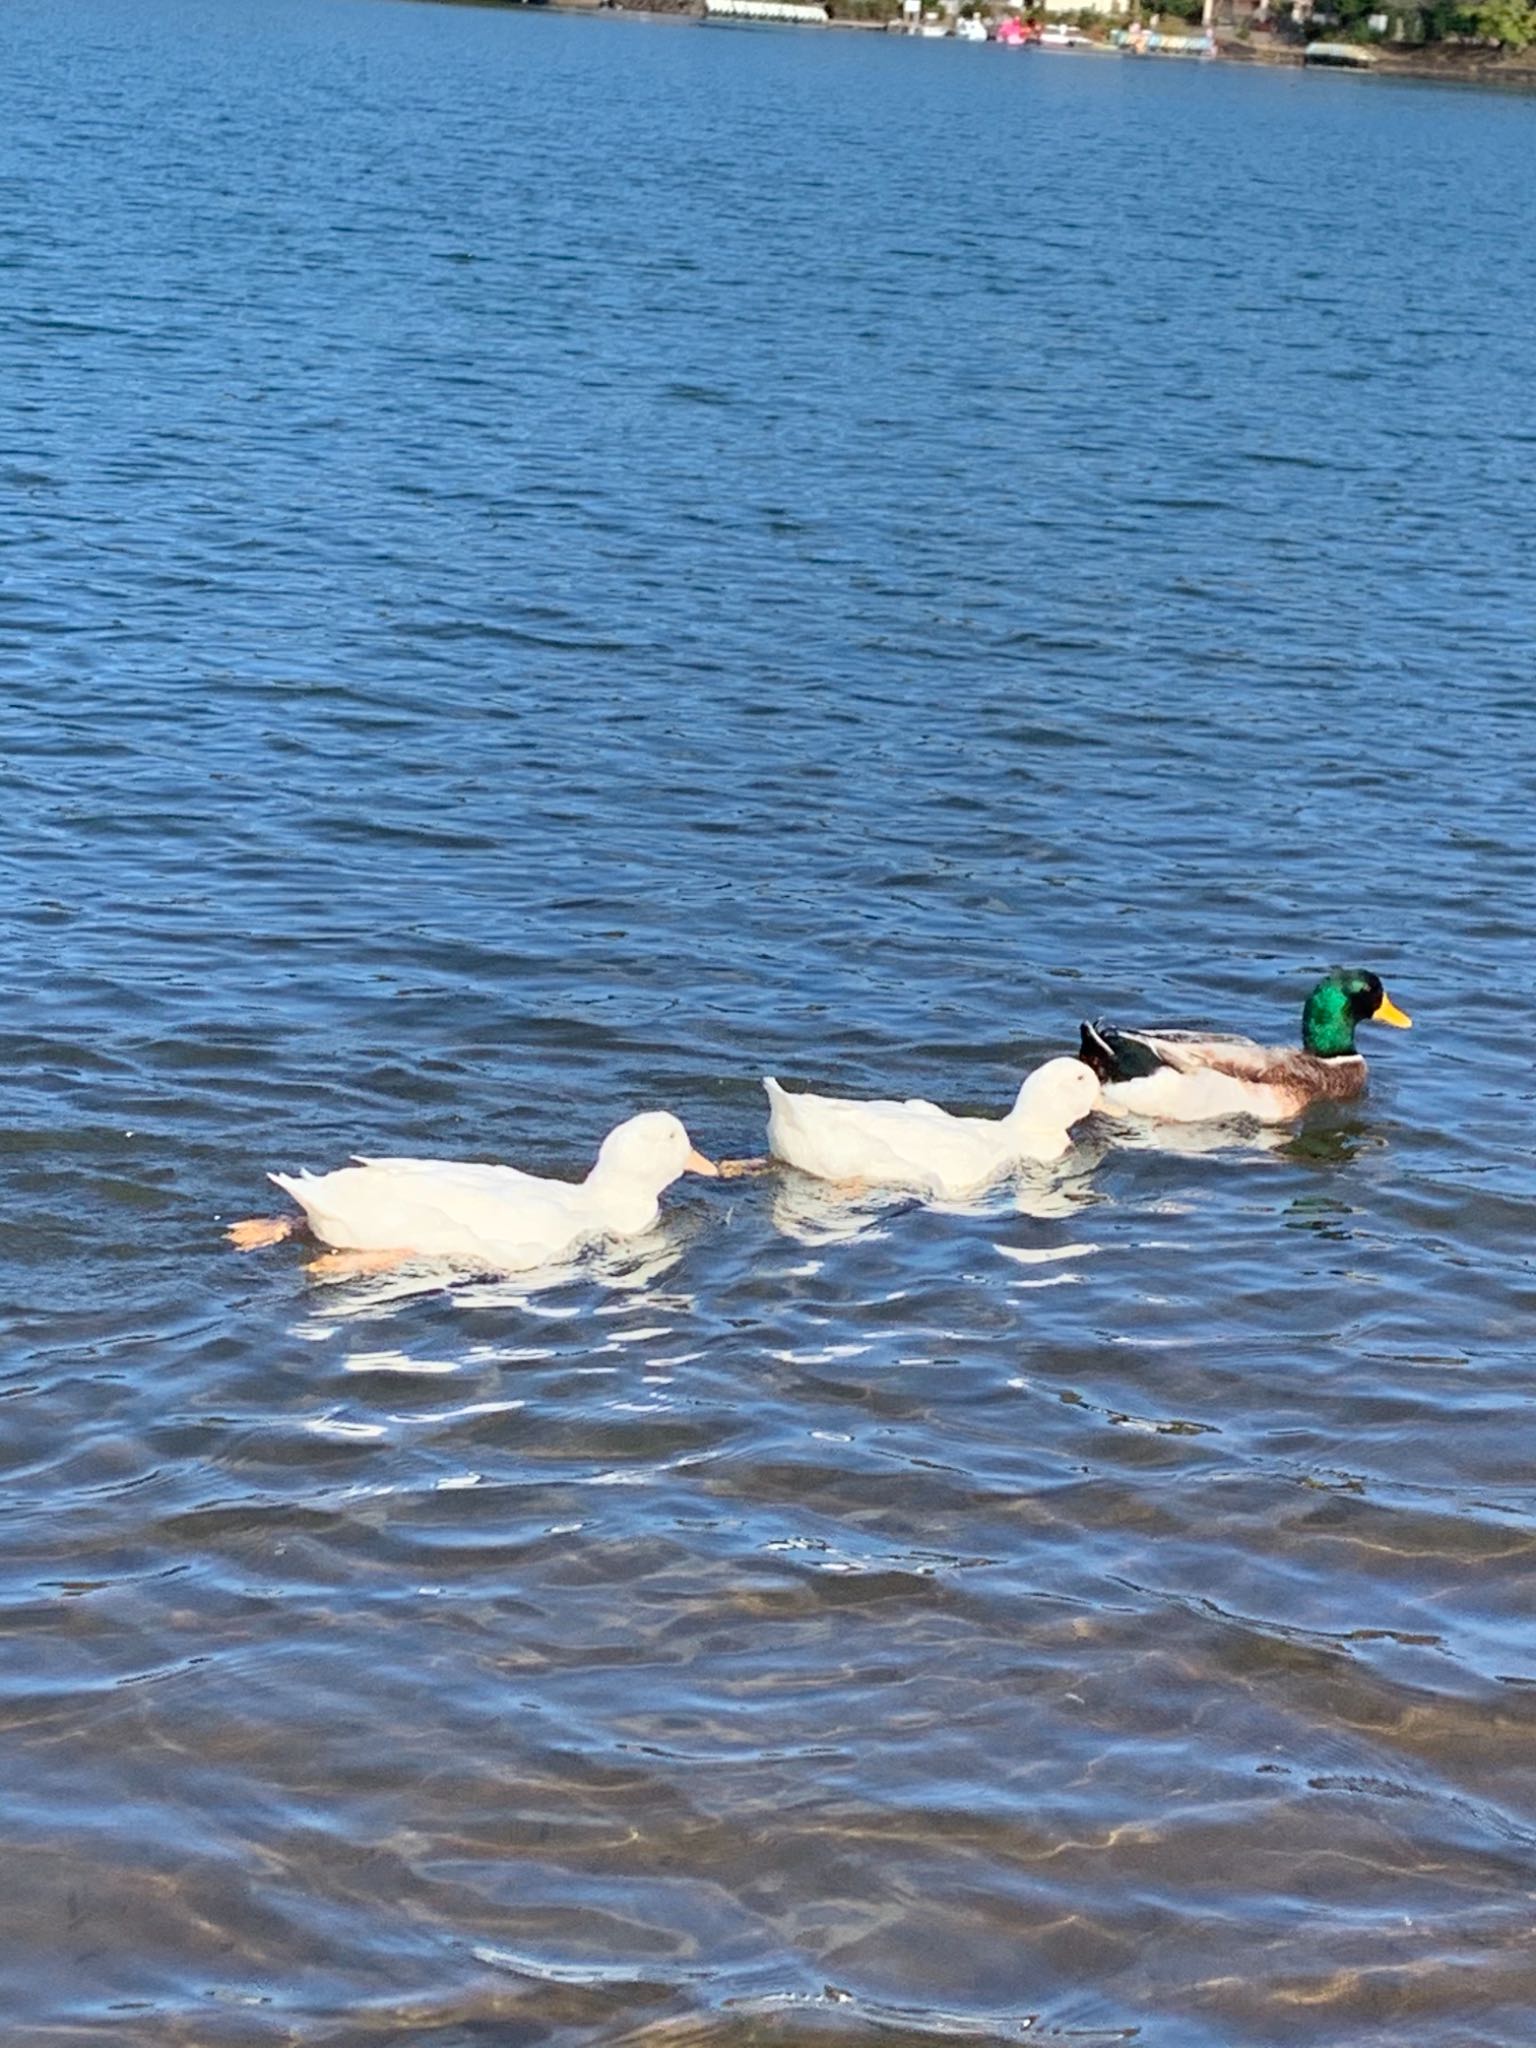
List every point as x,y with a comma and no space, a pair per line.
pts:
553,566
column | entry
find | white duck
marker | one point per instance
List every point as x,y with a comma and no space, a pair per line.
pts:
378,1212
918,1145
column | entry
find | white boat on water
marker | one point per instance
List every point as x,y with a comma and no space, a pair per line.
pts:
764,10
1345,56
1143,42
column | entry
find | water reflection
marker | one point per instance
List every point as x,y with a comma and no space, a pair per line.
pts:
902,2021
818,1212
1065,1189
1336,1142
815,1212
1323,1138
632,1268
1323,1214
1238,1137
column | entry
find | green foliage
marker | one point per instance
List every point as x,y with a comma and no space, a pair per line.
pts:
1508,22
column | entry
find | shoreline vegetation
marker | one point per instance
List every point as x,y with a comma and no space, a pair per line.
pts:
1446,54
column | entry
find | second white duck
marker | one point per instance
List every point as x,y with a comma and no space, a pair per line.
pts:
492,1217
920,1146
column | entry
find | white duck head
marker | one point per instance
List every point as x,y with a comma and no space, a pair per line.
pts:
636,1161
1056,1096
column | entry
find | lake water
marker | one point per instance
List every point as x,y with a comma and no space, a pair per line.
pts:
550,567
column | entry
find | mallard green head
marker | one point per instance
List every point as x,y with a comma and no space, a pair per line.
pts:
1346,997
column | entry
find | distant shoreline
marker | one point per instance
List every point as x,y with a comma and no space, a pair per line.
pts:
1441,63
1438,63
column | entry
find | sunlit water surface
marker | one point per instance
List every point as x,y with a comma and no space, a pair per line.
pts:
556,566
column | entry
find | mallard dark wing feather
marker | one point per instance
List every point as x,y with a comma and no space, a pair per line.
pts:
1117,1055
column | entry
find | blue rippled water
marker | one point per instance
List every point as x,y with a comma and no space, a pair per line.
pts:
549,566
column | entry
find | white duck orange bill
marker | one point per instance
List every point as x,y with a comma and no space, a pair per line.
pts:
697,1163
1387,1012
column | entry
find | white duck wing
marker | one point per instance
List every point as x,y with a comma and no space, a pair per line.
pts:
827,1136
959,1149
905,1144
470,1174
439,1209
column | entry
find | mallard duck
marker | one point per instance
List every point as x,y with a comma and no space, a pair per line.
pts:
1187,1076
920,1146
378,1212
